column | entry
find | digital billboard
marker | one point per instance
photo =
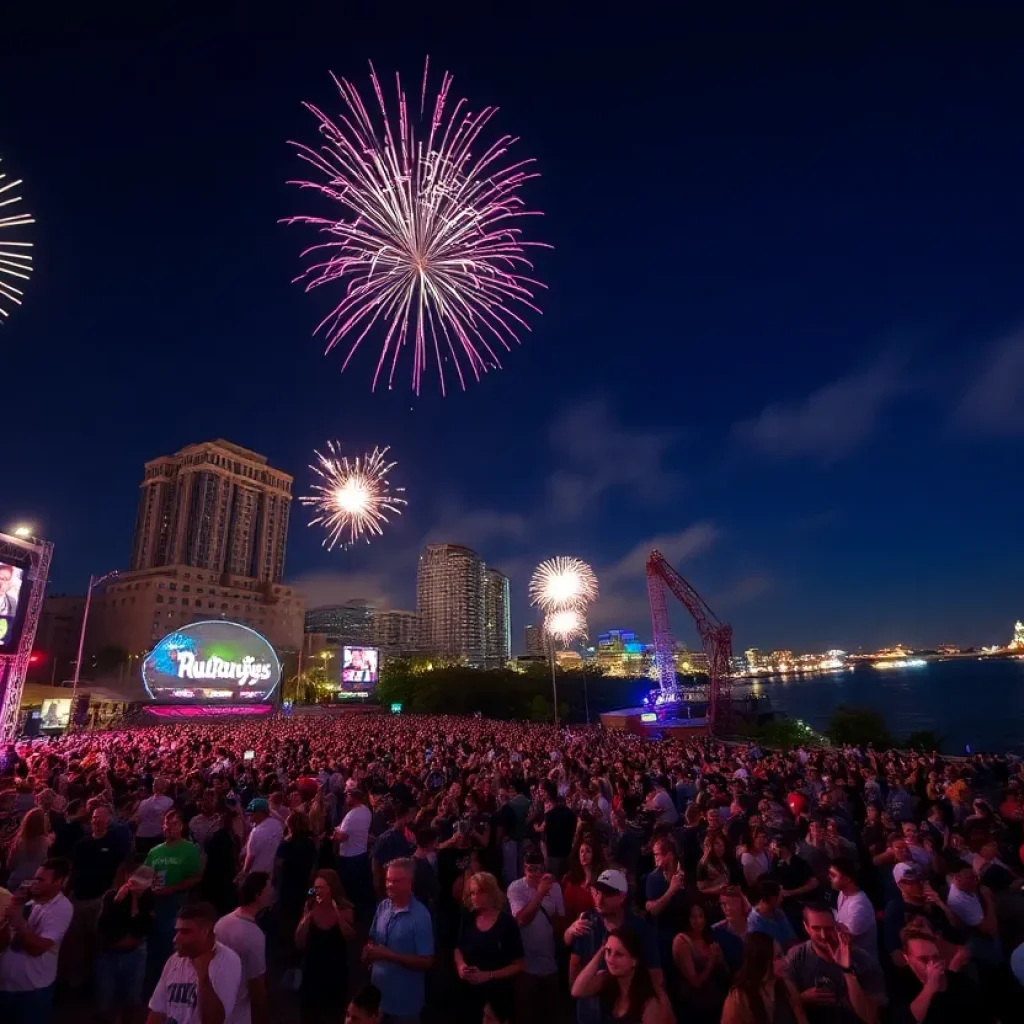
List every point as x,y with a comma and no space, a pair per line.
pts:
14,588
56,713
359,668
215,662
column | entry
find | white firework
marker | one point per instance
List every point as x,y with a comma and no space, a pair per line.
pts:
15,252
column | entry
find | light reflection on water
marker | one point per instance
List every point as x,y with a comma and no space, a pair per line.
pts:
976,701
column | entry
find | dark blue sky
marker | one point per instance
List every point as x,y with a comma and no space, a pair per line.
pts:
782,337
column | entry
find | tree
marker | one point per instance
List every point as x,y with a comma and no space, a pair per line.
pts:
784,733
858,726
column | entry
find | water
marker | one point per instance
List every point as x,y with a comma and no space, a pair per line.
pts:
979,701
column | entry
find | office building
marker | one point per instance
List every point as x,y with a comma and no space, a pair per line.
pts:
56,642
396,632
497,625
350,623
217,507
137,608
450,603
536,646
620,654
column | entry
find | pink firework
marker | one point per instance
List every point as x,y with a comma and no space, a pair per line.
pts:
426,246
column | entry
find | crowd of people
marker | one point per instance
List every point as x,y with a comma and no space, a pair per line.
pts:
386,868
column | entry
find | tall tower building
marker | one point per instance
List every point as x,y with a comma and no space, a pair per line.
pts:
536,647
214,506
450,603
497,624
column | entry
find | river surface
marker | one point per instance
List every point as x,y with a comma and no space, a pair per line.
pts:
976,701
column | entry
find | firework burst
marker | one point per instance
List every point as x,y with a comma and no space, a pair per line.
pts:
563,583
426,246
353,496
15,253
565,625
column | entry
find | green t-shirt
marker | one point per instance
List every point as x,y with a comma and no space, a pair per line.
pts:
173,864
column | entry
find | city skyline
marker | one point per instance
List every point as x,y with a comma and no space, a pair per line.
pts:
784,346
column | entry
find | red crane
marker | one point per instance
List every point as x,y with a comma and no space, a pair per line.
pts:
715,638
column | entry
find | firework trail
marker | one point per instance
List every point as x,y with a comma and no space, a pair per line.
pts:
352,497
563,583
15,255
426,245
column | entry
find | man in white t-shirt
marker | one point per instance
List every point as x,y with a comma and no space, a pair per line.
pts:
264,839
149,817
856,915
201,980
240,932
30,946
536,902
352,837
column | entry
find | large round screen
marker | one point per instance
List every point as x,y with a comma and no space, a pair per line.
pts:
215,662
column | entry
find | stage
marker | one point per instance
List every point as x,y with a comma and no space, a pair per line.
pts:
663,721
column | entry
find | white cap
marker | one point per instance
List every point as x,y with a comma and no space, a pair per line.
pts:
614,880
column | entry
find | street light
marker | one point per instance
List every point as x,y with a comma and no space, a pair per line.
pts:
94,582
23,531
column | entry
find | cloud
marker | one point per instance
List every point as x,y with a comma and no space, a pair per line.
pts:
476,529
595,453
326,588
832,422
743,591
994,402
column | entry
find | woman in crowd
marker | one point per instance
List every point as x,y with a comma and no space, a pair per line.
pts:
713,871
760,994
294,865
323,935
618,975
489,950
29,848
700,967
586,862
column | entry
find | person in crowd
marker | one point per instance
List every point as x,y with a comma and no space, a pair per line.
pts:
34,924
974,906
939,994
364,1007
587,934
95,860
797,882
586,862
700,968
917,902
149,817
489,951
755,860
535,901
836,982
264,839
760,992
294,866
855,913
766,914
400,948
425,885
731,930
223,848
714,874
178,868
352,838
511,829
661,804
618,983
125,920
205,820
559,830
323,936
28,849
75,827
240,932
199,983
397,843
667,901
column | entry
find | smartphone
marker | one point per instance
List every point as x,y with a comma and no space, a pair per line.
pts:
248,755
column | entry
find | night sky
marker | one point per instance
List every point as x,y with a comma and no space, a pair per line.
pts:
784,336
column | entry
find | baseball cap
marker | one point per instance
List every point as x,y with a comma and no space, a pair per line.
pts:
906,873
612,882
257,805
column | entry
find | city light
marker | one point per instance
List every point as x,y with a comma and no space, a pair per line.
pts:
891,663
23,531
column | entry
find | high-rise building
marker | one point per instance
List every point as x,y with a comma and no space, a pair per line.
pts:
214,506
396,632
535,643
497,625
450,603
349,623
